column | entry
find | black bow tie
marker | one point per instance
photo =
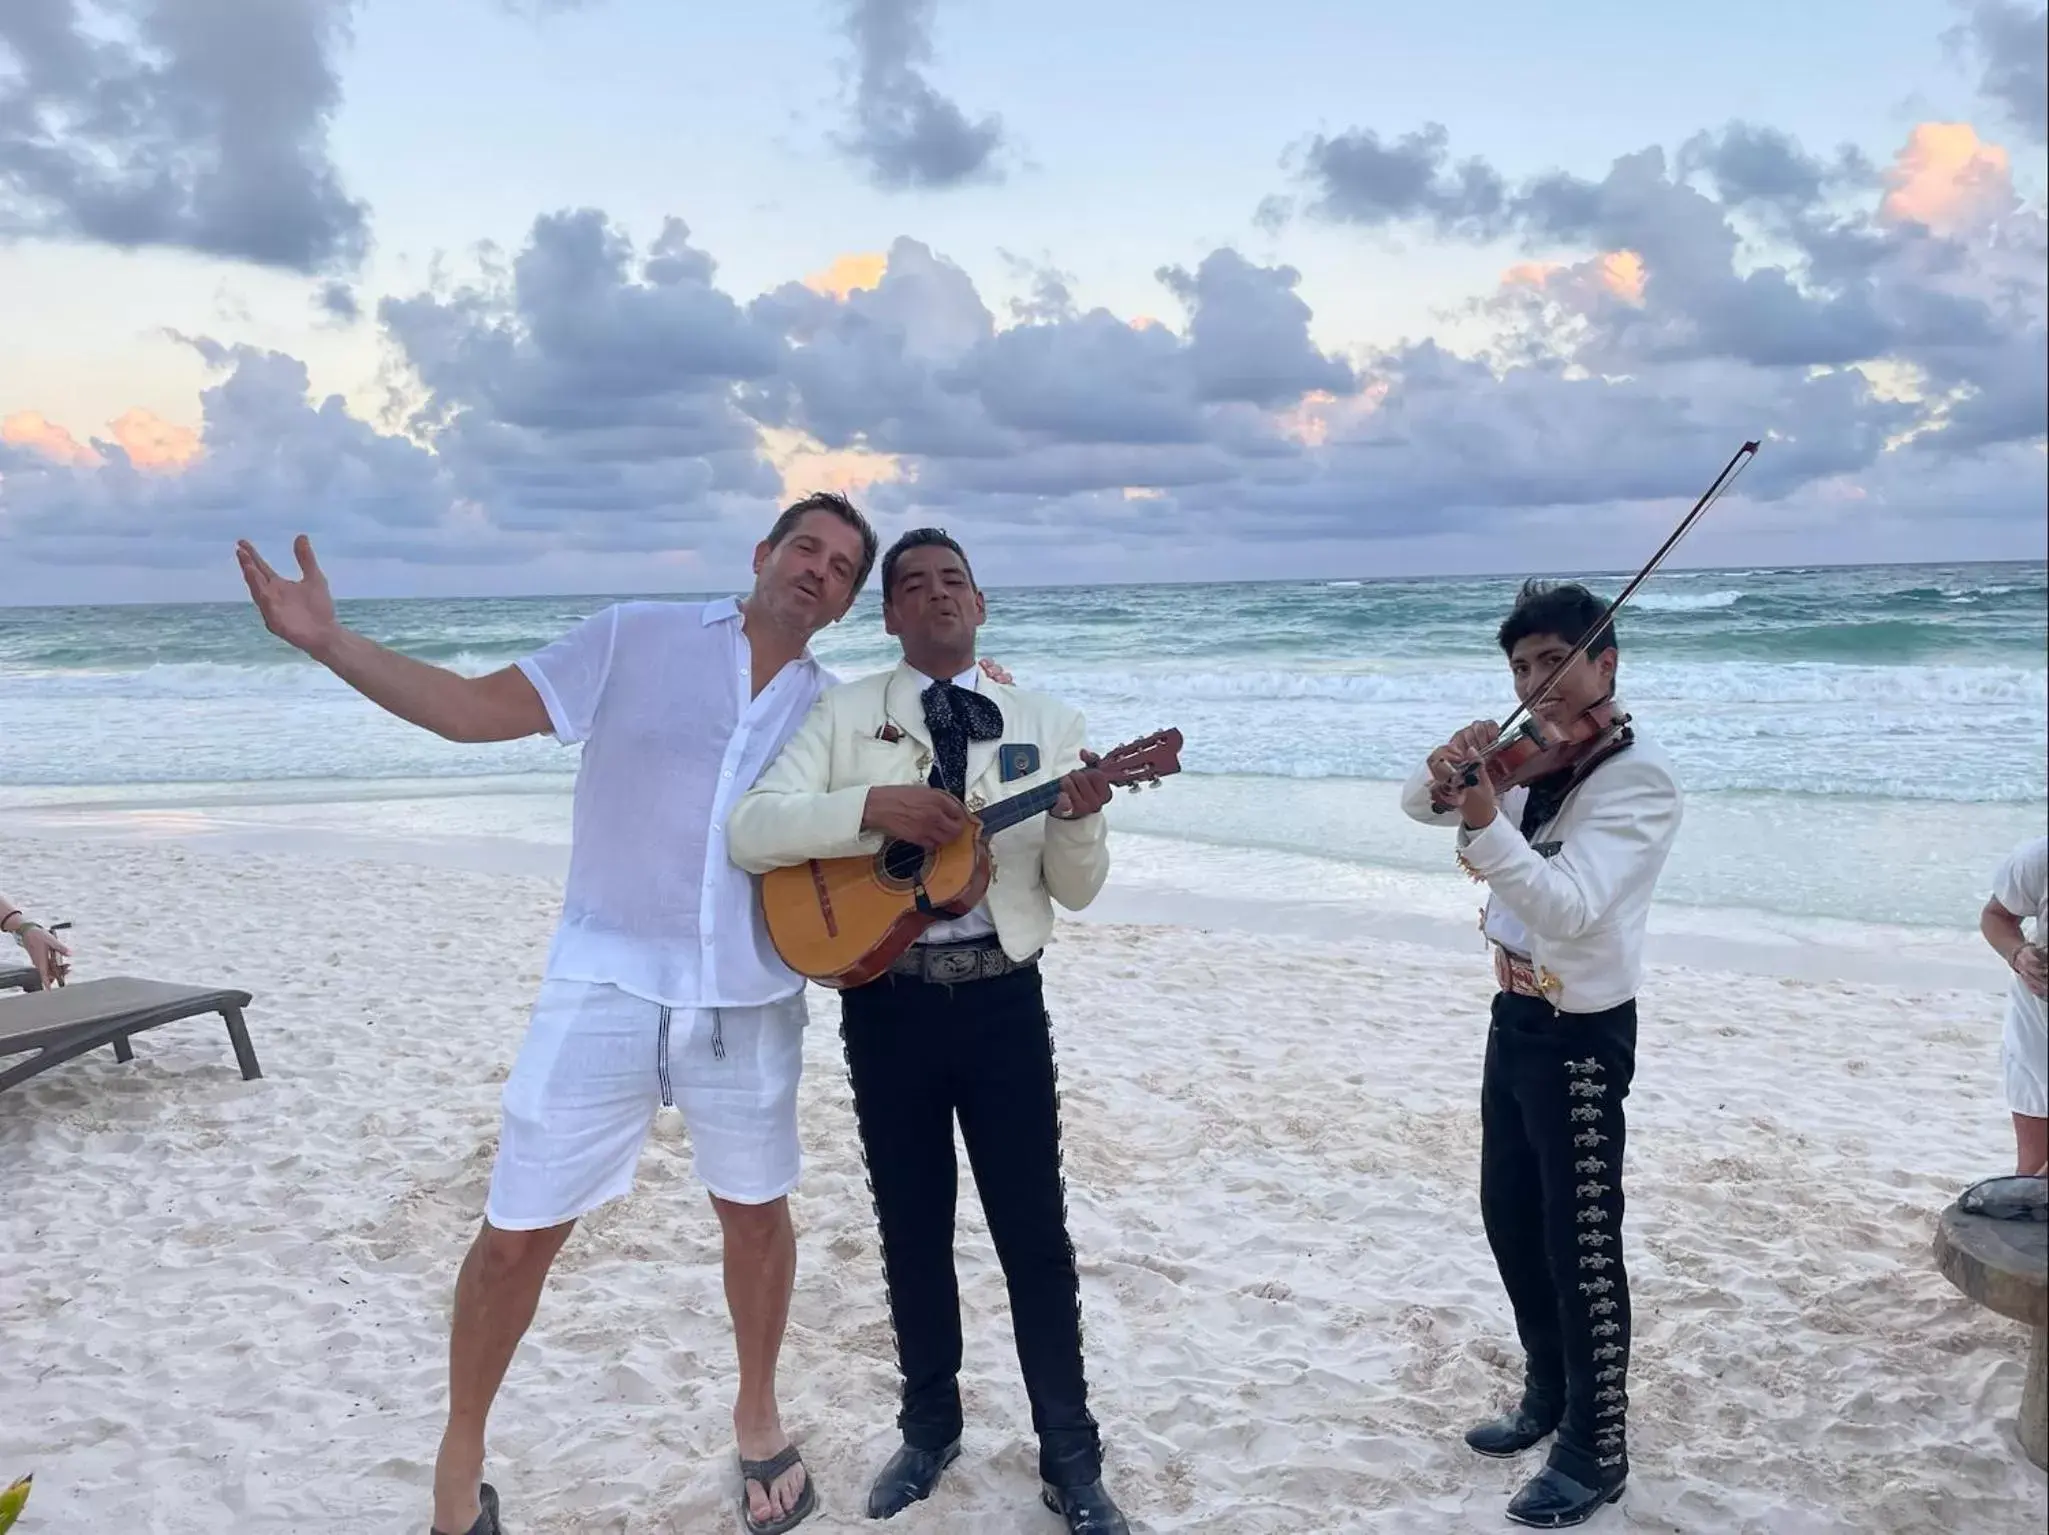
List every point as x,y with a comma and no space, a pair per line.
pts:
955,716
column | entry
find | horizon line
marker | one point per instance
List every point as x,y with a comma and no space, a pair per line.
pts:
1031,586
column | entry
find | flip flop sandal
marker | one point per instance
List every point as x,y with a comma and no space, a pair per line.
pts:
2007,1199
487,1514
765,1472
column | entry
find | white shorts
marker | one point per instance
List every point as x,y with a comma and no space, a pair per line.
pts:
593,1070
2026,1060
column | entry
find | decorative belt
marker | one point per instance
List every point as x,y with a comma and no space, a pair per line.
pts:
1513,972
951,964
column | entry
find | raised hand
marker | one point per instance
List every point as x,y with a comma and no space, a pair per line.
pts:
301,612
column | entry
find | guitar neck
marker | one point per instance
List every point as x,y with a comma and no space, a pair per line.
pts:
1020,807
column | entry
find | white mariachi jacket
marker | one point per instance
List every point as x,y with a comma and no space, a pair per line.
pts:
810,801
1583,891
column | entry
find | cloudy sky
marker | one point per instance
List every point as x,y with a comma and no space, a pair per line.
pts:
531,295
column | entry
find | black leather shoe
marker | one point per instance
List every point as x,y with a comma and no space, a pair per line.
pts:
1551,1500
1088,1510
909,1478
1512,1433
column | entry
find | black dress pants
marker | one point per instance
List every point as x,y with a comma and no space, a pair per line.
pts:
918,1054
1552,1133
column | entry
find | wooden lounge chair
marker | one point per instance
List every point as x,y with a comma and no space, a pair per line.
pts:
68,1021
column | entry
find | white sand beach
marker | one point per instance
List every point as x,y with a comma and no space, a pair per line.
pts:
225,1305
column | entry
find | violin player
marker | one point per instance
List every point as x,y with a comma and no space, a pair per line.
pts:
1569,832
957,1025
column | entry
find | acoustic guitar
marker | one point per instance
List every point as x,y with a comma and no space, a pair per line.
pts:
844,921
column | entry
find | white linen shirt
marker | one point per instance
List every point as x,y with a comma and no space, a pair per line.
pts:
661,696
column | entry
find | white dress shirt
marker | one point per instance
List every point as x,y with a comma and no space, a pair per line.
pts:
661,695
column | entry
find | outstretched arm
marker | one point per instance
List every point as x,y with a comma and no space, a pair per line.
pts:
502,706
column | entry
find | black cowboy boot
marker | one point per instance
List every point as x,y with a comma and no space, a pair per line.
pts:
1557,1499
1570,1488
1535,1418
1088,1510
909,1478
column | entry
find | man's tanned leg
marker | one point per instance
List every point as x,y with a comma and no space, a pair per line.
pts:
761,1270
496,1293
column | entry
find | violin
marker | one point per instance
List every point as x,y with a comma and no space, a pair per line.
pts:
1529,748
1537,748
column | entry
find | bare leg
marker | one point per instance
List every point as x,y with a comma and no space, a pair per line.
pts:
2031,1142
761,1269
495,1296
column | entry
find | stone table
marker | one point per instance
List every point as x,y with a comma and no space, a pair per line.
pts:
2004,1266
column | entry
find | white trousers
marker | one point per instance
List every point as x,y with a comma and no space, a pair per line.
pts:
596,1065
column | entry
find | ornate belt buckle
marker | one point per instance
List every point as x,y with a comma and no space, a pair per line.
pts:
949,965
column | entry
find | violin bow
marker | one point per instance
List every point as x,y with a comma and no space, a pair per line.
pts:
1723,481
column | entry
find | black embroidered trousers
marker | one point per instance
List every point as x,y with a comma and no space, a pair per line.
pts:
1552,1134
918,1055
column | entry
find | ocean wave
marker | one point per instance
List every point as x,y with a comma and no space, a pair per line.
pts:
1705,683
1644,681
1685,602
288,674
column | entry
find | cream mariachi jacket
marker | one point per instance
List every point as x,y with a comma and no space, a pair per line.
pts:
810,801
1583,890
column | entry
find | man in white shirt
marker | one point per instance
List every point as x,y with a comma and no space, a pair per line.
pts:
661,985
958,1026
2020,894
1571,860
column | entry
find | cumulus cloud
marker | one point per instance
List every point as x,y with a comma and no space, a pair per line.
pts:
2010,43
1746,249
1881,328
337,302
1360,179
268,460
186,123
903,132
592,392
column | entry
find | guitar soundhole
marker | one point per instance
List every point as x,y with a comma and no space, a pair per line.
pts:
902,864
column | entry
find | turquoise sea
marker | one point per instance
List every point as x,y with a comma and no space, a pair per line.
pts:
1857,743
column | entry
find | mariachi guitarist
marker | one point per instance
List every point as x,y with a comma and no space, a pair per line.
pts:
957,1025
